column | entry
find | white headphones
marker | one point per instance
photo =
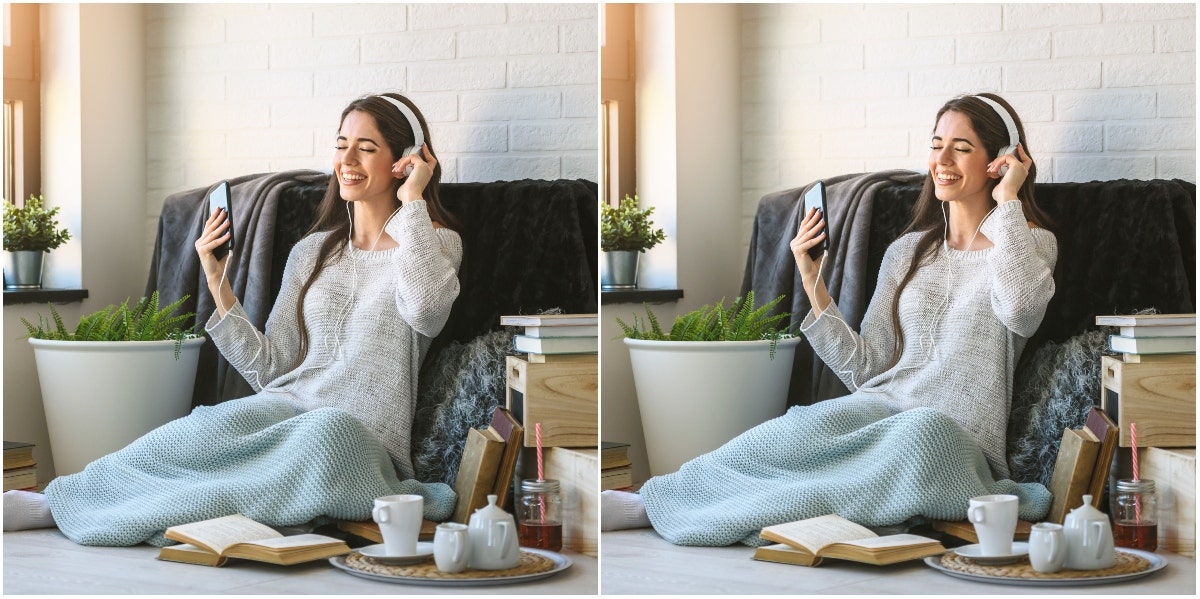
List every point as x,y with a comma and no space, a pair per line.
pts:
418,133
1013,138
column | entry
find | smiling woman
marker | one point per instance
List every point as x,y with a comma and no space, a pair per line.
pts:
929,372
334,372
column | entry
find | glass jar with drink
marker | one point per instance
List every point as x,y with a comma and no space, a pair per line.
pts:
1135,515
539,514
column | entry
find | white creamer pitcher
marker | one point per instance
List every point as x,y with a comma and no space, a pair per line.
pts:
493,533
1089,538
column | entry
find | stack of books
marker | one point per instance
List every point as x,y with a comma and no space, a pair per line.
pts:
20,469
1153,337
555,334
616,471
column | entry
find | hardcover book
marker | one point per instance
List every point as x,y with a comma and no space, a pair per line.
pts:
1072,472
548,320
1138,320
17,455
213,542
832,536
556,345
1152,345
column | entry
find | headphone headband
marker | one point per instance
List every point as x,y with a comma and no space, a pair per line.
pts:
1013,138
418,133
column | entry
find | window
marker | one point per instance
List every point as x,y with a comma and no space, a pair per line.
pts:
10,165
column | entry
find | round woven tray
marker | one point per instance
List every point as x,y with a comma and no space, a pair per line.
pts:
530,563
1124,563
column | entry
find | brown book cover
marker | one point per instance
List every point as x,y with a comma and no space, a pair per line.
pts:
18,455
476,471
1072,472
832,536
963,529
212,542
510,430
614,455
1103,427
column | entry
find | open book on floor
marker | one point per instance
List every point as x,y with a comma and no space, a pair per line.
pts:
213,542
807,542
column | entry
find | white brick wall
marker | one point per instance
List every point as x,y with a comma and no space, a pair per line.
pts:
510,90
1107,91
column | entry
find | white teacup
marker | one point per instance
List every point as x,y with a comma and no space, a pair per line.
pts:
399,518
995,520
451,547
1047,547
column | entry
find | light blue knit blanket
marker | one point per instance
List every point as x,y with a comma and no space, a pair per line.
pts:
256,456
846,456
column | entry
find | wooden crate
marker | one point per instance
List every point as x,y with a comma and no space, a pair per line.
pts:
562,396
1174,474
578,474
1159,396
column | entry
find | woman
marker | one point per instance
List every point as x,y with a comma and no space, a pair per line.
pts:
336,372
930,373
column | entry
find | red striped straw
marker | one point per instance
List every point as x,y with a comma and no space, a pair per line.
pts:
1133,441
537,427
1137,503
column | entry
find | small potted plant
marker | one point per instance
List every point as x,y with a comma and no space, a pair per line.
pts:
715,374
29,232
123,372
625,232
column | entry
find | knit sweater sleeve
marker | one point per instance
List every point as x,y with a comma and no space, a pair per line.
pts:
261,358
1022,266
858,357
426,268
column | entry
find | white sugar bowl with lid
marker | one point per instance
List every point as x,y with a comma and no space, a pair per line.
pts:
1089,538
493,534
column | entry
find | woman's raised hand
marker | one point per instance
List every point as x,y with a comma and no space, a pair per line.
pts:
216,232
413,187
811,233
1018,170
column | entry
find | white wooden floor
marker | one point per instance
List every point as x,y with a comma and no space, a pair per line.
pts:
641,562
46,562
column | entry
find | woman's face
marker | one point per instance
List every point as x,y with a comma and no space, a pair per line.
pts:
958,160
362,160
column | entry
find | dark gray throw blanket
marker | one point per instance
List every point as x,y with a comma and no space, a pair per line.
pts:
771,269
175,268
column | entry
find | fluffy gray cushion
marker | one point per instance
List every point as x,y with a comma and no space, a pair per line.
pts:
1058,385
458,390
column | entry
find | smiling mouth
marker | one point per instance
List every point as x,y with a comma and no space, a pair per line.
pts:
349,178
947,178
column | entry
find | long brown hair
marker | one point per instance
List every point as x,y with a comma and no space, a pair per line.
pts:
332,215
928,218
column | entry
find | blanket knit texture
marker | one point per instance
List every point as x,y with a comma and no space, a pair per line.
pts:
371,317
848,456
965,317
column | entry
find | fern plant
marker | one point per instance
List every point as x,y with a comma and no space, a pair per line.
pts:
740,321
144,321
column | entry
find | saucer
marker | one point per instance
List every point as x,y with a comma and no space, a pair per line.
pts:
379,554
975,553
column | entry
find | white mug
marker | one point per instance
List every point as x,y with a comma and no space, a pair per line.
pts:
451,547
995,520
399,518
1047,547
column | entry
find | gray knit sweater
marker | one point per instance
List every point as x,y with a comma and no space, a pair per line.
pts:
966,317
371,317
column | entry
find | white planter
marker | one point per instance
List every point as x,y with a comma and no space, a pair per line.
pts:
694,396
101,395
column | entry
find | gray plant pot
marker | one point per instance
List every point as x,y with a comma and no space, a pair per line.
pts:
620,270
23,269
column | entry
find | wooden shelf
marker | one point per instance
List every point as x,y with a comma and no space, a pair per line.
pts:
43,296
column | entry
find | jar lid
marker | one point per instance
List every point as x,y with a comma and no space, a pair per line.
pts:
533,485
1135,486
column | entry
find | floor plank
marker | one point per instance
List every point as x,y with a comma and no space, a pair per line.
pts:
46,562
641,562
